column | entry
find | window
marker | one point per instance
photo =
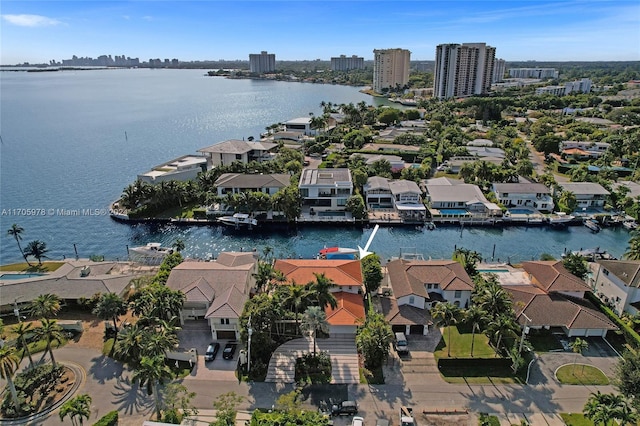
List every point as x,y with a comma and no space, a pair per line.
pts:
458,294
238,156
435,286
429,286
604,271
412,300
224,321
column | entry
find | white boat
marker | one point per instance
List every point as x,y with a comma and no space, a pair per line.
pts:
592,224
152,252
560,218
338,253
237,220
630,224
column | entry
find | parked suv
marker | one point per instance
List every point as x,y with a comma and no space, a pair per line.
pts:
402,347
345,408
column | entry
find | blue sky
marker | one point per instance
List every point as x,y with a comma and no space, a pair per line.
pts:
38,31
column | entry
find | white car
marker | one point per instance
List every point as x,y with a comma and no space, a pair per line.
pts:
357,421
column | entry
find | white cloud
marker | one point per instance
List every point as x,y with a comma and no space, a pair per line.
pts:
127,17
148,18
31,20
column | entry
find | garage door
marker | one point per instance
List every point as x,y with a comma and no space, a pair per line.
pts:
416,329
398,328
222,335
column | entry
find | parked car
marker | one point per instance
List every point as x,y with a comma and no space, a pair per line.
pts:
344,408
357,421
306,163
212,351
402,347
229,350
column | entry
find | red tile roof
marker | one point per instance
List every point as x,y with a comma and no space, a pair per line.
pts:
342,272
350,309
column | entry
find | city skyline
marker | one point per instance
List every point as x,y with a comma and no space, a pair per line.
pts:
39,31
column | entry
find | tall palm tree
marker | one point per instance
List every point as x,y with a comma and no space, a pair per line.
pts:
151,373
321,288
578,346
314,320
109,307
598,408
158,342
16,232
264,275
78,407
178,245
446,314
499,326
49,331
129,344
633,250
22,329
296,298
45,306
37,249
475,316
8,366
493,299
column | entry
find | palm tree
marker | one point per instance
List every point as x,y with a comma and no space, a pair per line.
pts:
474,316
21,329
16,232
598,408
446,314
49,331
37,249
109,307
178,245
314,320
152,372
159,341
493,299
321,287
633,251
264,275
578,346
45,306
296,297
79,407
501,325
129,344
8,366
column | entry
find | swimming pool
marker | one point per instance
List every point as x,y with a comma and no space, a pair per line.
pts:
19,276
458,212
521,211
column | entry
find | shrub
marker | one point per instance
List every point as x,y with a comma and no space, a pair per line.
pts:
109,419
629,334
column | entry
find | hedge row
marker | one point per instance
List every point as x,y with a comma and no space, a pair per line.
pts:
109,419
629,334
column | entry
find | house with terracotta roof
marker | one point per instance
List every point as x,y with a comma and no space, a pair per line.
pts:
616,283
346,274
216,291
417,285
546,295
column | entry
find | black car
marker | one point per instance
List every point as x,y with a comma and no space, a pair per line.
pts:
212,351
229,350
345,408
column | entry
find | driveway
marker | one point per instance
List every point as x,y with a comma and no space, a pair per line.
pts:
198,336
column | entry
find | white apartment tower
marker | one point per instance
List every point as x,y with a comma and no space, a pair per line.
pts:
463,70
390,68
344,63
499,67
262,62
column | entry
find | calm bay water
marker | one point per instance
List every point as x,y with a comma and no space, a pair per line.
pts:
72,140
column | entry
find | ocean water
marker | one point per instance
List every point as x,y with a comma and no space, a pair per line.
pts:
72,140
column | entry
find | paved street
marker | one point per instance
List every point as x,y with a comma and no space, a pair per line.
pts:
410,382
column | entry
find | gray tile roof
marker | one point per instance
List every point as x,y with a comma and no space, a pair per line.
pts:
240,180
521,188
403,186
455,193
235,146
628,271
584,188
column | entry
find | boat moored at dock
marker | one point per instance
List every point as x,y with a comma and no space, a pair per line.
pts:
238,220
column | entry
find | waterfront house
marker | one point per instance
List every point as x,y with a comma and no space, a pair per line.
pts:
235,183
420,284
634,188
181,169
301,125
325,189
348,280
616,283
588,194
404,196
228,152
546,295
216,291
527,194
446,193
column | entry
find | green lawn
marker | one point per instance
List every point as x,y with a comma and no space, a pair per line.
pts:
24,267
461,345
572,419
581,375
543,341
